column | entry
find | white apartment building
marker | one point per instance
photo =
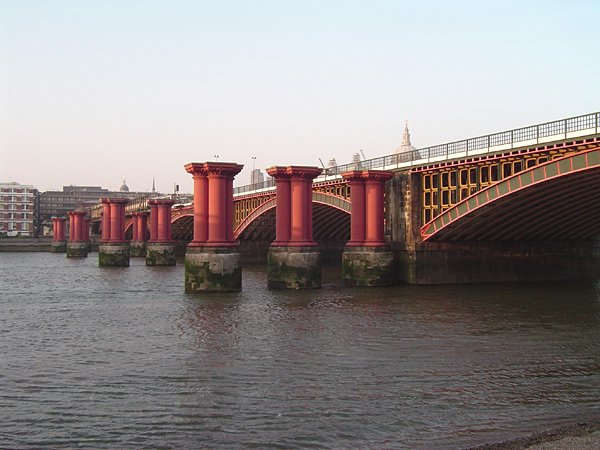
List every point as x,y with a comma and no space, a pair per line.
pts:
16,209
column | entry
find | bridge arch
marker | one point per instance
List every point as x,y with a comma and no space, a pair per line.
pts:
331,218
557,200
182,227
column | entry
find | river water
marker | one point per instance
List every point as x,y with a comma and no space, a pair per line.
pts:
122,358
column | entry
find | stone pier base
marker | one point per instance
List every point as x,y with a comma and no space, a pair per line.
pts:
137,249
495,262
58,247
213,269
113,254
77,249
160,254
368,266
294,267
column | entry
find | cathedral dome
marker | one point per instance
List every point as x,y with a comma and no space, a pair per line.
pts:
124,187
406,146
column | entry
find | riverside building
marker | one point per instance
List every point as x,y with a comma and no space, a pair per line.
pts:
17,209
58,203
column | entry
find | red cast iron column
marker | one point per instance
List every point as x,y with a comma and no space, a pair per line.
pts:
217,207
357,211
58,226
106,219
282,205
153,220
72,228
142,221
374,199
229,204
301,204
117,219
220,202
199,174
160,215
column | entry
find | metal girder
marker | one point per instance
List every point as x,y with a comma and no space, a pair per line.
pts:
557,200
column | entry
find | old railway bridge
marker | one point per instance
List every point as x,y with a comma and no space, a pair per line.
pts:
522,204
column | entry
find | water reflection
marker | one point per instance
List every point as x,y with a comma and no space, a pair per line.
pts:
124,358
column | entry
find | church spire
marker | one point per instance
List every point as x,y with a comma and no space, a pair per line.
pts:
153,187
406,146
406,134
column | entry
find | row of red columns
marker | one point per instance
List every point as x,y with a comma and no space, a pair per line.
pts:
293,212
79,227
160,220
367,206
113,219
213,209
58,229
213,203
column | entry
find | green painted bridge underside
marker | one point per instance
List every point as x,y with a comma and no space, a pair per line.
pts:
558,200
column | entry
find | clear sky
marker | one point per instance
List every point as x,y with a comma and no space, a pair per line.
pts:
92,91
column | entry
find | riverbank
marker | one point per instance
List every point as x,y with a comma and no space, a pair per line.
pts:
580,436
26,244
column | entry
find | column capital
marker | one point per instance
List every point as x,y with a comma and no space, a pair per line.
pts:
161,201
196,169
353,175
213,168
223,169
277,172
368,175
380,176
305,172
117,200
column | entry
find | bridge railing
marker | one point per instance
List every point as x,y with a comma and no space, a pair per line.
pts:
571,127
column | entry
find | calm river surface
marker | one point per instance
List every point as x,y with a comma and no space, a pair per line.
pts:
123,358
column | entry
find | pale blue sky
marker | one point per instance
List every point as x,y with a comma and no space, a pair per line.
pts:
91,91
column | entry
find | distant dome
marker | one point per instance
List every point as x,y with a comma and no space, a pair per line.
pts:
406,146
124,187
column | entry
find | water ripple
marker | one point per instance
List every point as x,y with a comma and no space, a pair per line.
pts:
97,358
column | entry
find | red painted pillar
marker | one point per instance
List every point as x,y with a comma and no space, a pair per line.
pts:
301,204
374,199
213,202
153,220
77,222
217,207
117,219
106,219
142,220
77,225
357,211
83,227
62,227
58,227
72,228
282,205
160,217
229,203
163,223
199,174
293,213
